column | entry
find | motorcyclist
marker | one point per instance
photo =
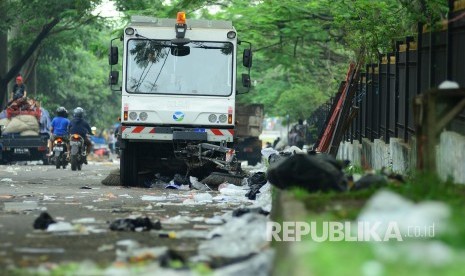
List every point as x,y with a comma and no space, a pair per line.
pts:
59,127
80,126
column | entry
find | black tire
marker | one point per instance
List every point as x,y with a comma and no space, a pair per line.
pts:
128,165
74,162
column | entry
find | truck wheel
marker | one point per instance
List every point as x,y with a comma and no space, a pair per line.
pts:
128,165
74,162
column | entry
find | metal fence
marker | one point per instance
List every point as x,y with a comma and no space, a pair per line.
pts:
385,91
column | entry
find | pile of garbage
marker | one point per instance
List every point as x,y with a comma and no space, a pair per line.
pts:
25,117
319,172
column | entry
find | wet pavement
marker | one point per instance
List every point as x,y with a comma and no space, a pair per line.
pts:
195,232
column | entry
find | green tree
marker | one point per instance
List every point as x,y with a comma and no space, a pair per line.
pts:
32,22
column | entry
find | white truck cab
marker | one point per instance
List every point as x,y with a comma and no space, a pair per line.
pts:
178,92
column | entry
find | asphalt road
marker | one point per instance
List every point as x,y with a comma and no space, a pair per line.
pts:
78,200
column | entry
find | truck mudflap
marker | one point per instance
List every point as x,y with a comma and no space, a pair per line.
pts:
176,133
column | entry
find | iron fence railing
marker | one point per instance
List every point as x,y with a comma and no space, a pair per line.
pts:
385,91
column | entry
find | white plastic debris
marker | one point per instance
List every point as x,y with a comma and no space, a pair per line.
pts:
196,184
203,197
60,226
294,150
266,152
6,180
176,220
49,198
263,199
389,210
258,265
428,253
244,235
449,85
233,190
84,220
214,220
153,198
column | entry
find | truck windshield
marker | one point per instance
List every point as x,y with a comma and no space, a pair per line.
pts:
206,70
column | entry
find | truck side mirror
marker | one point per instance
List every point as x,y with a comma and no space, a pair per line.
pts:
113,78
113,55
246,80
247,58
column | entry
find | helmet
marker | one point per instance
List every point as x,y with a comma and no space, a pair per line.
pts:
78,112
61,111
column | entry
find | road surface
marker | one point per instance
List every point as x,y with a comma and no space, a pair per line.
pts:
84,209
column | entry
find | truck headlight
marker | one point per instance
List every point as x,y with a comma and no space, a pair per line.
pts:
223,118
143,116
132,115
212,118
129,31
231,34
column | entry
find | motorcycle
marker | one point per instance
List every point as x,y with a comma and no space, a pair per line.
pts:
59,152
77,151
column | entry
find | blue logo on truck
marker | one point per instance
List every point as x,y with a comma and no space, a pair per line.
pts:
178,116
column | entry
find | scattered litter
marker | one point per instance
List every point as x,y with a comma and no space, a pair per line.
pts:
138,224
214,220
43,221
177,220
386,206
6,180
244,235
232,190
49,198
255,182
198,219
241,211
86,187
431,253
153,198
203,197
170,235
447,84
311,172
60,226
196,184
84,220
260,264
266,152
7,196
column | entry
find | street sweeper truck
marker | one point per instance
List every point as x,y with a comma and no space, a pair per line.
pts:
178,94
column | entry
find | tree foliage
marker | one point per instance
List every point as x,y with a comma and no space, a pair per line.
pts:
301,48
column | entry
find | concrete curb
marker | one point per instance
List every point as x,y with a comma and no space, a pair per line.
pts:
287,208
